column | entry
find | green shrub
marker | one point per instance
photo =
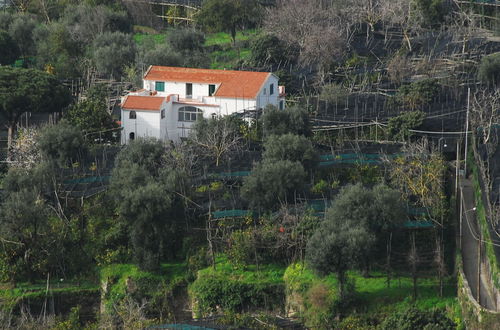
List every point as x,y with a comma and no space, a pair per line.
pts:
418,94
412,318
399,127
229,289
489,69
334,93
233,295
240,250
320,187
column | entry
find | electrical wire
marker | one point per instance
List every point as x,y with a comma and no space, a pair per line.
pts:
473,232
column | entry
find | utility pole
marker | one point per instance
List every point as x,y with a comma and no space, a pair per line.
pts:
466,132
478,263
461,215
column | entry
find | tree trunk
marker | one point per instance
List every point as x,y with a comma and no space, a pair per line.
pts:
233,35
388,260
10,139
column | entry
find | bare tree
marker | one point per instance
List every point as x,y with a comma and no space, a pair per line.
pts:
24,152
485,119
216,136
419,175
317,28
398,13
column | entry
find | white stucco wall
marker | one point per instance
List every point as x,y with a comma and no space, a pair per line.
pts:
264,98
150,124
146,124
179,88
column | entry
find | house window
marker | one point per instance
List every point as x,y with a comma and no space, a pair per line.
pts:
189,91
162,114
265,91
132,115
211,90
271,89
160,86
282,105
131,136
189,114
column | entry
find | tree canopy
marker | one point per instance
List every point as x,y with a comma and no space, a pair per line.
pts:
23,90
292,120
10,51
147,192
290,147
228,15
272,182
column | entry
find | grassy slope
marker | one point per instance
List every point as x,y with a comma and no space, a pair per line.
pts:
272,274
39,289
372,292
223,54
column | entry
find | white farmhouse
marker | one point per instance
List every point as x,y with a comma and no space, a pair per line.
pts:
173,98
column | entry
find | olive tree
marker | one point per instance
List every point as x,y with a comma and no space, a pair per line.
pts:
291,147
292,120
336,246
112,51
273,182
147,191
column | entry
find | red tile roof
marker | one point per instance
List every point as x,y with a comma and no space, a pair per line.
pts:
240,84
135,102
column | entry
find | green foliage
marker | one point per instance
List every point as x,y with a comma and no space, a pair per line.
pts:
72,322
85,22
292,120
418,94
337,246
21,30
295,148
160,55
24,90
112,51
241,248
315,298
227,15
413,318
268,51
56,51
320,187
10,51
145,185
90,116
272,182
489,69
399,126
224,39
482,216
61,143
351,227
433,12
186,41
127,282
235,290
24,230
334,94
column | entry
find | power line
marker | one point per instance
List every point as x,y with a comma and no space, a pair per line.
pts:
473,233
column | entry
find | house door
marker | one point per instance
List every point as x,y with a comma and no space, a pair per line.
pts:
189,91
